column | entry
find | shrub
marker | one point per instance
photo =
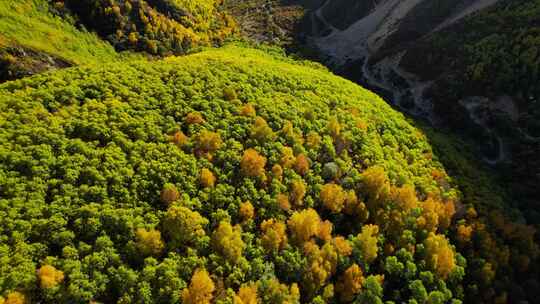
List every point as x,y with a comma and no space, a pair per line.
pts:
229,94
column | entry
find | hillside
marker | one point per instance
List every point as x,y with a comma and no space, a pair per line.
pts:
41,35
235,175
467,67
33,40
500,64
158,27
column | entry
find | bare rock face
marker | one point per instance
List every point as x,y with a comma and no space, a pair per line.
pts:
18,62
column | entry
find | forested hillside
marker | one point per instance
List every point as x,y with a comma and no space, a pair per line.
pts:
236,174
221,177
41,35
155,26
466,67
33,40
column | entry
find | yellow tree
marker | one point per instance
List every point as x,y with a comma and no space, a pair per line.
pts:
367,241
440,255
350,283
207,178
287,157
183,225
194,118
227,240
376,186
248,110
298,191
49,276
149,242
333,197
208,142
274,235
252,163
169,194
200,289
180,139
342,246
14,297
405,197
261,131
277,172
302,164
304,225
283,201
247,212
247,294
436,214
334,127
322,264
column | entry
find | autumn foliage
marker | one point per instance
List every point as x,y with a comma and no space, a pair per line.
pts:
274,235
227,240
440,254
183,225
14,297
252,163
333,197
149,242
200,290
169,194
350,283
247,294
207,178
49,276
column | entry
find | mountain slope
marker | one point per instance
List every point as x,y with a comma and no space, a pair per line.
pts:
189,178
158,27
33,39
466,66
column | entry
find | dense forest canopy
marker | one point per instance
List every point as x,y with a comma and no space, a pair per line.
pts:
239,174
234,178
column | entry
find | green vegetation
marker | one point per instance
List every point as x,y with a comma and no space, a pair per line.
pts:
235,175
30,24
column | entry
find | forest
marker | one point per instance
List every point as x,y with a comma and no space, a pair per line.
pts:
149,153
